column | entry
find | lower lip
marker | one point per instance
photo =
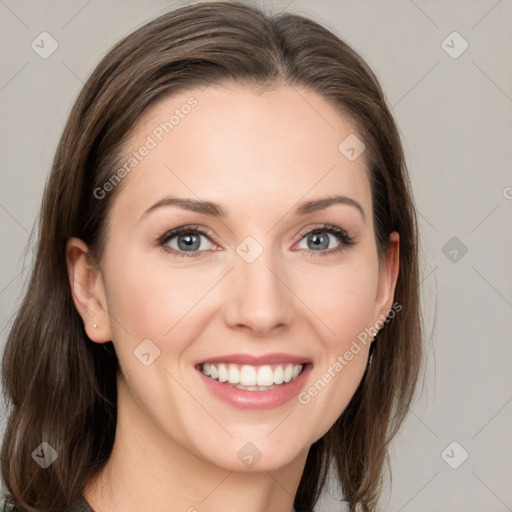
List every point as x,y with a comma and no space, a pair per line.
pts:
257,400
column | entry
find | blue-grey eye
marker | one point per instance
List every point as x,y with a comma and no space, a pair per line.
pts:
189,241
319,239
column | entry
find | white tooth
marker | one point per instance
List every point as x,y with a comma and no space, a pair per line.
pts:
223,373
278,375
214,374
206,369
247,375
296,370
233,374
288,373
252,388
265,376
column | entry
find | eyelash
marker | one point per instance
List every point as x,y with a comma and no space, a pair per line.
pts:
344,237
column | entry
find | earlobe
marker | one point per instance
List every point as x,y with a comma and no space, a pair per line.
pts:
88,291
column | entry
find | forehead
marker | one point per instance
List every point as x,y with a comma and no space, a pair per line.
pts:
247,149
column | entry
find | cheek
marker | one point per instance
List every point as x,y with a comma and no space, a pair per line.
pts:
154,299
342,298
344,303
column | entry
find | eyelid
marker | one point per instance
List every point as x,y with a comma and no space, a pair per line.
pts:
184,228
321,228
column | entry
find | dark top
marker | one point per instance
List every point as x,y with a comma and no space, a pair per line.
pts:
80,505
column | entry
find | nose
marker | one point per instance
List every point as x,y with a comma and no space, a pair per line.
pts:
259,298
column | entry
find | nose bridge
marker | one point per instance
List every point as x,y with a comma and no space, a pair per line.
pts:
261,300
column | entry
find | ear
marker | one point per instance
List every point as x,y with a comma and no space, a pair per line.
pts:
388,275
88,291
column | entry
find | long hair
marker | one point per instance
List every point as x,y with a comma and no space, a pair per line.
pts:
60,387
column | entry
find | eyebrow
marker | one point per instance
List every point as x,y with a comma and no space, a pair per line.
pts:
215,210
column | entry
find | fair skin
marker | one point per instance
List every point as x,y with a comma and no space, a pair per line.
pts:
258,155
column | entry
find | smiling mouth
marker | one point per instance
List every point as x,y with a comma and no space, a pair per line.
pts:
251,377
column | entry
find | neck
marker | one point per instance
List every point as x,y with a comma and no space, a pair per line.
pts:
148,469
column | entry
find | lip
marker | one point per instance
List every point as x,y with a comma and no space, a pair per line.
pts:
256,360
255,400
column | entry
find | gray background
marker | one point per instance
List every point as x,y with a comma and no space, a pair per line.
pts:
455,115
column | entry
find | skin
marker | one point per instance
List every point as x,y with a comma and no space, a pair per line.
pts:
257,154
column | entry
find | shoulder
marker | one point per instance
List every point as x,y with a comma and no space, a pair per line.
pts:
80,506
7,507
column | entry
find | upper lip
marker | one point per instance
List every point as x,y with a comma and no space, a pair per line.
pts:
254,360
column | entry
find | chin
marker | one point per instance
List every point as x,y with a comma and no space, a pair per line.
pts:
245,456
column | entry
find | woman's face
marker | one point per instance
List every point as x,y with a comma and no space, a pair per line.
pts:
255,296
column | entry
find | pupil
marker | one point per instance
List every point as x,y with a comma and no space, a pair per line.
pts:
316,237
189,241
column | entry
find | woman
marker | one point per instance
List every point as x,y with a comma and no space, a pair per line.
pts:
225,298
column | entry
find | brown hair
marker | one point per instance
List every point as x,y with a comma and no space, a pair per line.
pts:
62,387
